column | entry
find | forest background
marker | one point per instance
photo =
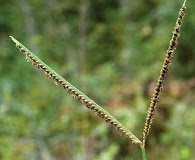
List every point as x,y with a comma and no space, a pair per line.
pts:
112,50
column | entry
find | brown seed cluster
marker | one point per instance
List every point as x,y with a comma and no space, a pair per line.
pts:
163,74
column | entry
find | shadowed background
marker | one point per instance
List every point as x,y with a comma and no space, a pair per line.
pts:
112,51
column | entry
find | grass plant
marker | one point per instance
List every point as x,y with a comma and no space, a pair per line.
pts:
94,107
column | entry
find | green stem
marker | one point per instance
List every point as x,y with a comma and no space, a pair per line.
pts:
143,152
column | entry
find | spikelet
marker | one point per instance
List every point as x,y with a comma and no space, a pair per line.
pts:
163,74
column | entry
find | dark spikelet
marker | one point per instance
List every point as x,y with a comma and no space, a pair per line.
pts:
163,74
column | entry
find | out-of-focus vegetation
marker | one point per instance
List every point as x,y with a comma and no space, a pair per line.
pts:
113,51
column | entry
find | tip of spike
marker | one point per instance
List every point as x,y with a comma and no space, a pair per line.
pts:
184,3
13,39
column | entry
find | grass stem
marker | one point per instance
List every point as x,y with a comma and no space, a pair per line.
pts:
143,152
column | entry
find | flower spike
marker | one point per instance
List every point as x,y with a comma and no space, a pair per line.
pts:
75,93
163,74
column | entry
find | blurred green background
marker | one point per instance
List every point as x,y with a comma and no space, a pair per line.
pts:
113,51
